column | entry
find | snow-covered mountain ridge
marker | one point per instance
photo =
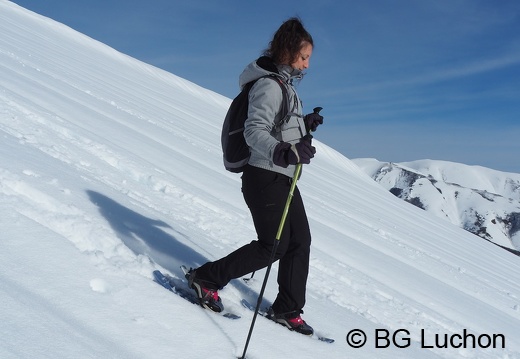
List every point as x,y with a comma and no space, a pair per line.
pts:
485,202
111,168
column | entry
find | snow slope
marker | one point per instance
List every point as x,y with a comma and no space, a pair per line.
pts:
483,201
110,168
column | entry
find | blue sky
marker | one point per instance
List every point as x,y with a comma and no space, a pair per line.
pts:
399,80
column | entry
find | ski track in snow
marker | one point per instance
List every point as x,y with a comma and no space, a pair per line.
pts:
111,168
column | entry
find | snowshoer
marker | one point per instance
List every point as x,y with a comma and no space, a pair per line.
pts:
276,145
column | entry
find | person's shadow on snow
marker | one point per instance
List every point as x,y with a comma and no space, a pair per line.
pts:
146,236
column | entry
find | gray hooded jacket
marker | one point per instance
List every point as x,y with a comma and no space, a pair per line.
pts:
264,127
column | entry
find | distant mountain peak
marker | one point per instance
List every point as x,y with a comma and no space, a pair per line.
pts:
484,202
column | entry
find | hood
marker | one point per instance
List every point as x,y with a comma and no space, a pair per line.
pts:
265,66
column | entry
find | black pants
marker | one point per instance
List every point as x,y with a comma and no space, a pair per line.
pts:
265,193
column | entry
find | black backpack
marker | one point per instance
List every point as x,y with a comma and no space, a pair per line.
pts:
234,146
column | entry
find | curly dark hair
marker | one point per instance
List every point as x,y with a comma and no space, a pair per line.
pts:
287,42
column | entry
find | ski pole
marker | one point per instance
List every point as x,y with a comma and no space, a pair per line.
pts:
296,176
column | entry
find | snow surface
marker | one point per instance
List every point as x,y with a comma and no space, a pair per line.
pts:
111,168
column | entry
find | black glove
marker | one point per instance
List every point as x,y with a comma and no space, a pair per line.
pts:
286,154
312,121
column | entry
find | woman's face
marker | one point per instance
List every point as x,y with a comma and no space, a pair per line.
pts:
302,61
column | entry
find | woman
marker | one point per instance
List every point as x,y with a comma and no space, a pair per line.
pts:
276,145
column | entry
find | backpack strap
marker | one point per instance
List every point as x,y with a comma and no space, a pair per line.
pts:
286,102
